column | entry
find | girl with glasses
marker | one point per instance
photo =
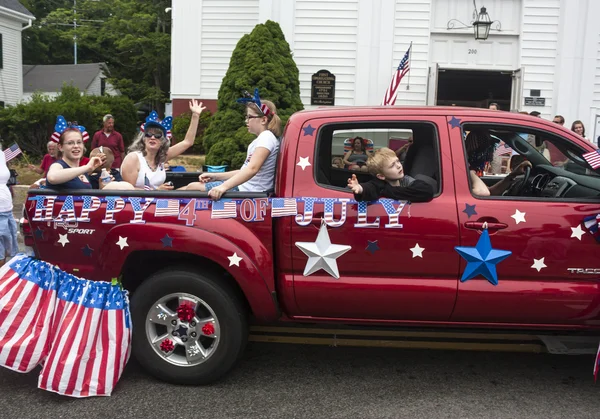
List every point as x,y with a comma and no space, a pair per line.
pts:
144,167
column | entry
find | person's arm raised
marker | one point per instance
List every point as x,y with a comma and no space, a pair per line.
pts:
58,174
174,151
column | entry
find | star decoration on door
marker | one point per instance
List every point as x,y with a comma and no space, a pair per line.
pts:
322,254
454,122
309,130
482,259
539,264
519,217
417,251
372,246
577,232
87,250
63,239
469,210
303,162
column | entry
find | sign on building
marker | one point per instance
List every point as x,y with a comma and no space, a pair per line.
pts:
322,88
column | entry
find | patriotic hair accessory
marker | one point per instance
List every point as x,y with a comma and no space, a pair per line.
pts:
62,125
248,98
165,125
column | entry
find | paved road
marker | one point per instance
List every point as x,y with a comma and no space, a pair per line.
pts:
301,381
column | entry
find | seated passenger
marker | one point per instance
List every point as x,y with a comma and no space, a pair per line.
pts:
356,157
258,171
390,181
95,177
143,167
480,151
66,173
337,163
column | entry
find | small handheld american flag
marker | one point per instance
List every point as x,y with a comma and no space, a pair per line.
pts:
593,158
404,67
12,152
147,185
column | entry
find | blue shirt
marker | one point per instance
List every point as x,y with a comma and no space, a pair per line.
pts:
76,183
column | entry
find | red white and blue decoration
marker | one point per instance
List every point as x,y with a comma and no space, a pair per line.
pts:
62,125
11,152
322,254
482,259
593,158
248,98
591,224
79,330
165,125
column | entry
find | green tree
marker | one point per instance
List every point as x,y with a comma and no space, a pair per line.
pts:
260,59
133,37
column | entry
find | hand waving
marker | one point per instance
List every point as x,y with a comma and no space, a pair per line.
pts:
354,185
196,107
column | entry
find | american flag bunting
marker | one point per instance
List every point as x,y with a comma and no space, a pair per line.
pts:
166,208
283,207
224,209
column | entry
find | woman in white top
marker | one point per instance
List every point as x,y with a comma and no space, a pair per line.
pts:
143,167
8,226
578,128
258,171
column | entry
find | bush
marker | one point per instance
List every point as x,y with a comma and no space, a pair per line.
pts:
31,124
180,127
260,59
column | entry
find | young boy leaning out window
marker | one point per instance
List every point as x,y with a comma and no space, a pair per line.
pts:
390,181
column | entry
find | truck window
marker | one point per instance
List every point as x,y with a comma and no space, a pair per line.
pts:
343,150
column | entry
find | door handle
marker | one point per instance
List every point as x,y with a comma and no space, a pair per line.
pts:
480,225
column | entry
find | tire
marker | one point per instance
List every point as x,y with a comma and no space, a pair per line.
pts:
212,296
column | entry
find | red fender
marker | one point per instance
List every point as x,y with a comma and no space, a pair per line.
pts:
254,283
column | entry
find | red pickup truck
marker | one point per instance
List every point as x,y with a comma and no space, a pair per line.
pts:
201,271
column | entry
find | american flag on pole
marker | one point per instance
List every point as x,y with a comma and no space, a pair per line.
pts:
166,208
404,67
91,339
283,207
593,158
27,301
224,209
12,152
147,185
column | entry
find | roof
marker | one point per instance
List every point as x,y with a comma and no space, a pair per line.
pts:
15,6
50,78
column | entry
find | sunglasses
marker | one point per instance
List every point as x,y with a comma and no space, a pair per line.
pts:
150,135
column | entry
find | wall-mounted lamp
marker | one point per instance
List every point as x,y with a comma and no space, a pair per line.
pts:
481,23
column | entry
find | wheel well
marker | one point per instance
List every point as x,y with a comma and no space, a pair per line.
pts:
141,264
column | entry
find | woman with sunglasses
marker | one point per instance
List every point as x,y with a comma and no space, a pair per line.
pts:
143,167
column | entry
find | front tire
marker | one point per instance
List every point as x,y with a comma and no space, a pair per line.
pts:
198,345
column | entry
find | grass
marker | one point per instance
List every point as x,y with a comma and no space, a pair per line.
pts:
192,163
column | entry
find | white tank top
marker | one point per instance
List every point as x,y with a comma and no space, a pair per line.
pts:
155,178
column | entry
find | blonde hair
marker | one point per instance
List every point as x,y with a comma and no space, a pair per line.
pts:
379,159
274,124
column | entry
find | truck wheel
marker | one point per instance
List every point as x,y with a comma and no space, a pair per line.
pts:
188,328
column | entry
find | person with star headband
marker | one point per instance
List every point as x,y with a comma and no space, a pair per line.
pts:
144,167
257,174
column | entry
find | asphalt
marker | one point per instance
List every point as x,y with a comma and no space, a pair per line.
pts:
302,381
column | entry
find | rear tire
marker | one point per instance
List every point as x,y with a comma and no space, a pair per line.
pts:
198,356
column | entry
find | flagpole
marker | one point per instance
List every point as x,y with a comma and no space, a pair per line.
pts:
410,64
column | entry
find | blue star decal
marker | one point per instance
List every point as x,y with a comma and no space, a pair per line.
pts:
39,233
469,210
167,241
372,246
309,130
182,330
454,122
482,259
87,250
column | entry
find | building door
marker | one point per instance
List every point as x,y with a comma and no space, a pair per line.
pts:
516,95
474,88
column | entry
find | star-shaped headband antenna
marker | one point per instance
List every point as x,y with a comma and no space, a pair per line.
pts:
248,98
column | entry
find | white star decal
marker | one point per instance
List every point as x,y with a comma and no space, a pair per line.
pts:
63,239
303,162
538,264
322,254
417,251
577,232
122,243
519,217
234,259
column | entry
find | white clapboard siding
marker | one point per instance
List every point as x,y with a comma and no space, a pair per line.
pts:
325,37
412,23
223,24
11,76
597,79
539,43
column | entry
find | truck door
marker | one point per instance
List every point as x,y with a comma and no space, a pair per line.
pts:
552,275
399,266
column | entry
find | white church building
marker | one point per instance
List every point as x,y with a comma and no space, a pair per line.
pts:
540,55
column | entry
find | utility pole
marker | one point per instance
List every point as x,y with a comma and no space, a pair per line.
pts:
75,30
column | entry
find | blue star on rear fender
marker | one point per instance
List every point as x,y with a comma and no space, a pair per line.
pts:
482,259
454,122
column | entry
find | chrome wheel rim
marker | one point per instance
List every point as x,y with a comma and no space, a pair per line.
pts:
184,341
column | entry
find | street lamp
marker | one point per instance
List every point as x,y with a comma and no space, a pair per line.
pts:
481,23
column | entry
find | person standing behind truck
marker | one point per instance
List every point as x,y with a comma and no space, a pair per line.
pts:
258,171
8,226
108,137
